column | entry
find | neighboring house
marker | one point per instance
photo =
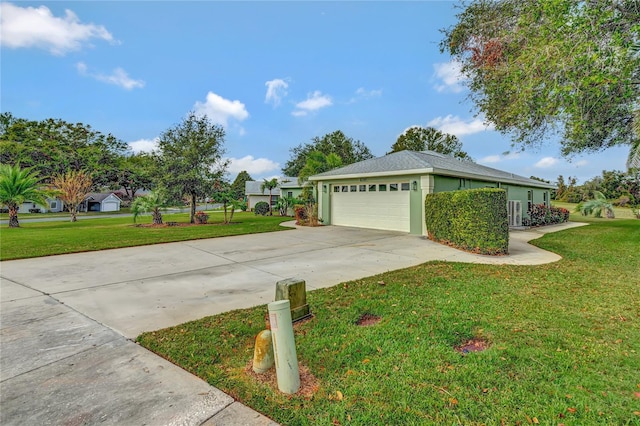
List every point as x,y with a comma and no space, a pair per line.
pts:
53,205
101,202
288,186
388,192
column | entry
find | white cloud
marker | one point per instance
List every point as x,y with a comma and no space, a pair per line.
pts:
220,110
364,94
252,165
276,90
581,163
144,145
118,77
498,158
450,77
457,126
546,162
314,102
24,27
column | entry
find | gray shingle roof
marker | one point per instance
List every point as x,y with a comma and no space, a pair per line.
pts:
420,162
252,187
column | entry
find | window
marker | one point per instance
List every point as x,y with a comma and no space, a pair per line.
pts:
393,187
354,188
372,188
530,200
382,187
336,188
461,183
274,200
53,204
363,188
345,188
404,186
545,196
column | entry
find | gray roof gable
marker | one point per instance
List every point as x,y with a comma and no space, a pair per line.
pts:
421,162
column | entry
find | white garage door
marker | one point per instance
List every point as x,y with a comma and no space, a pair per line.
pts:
110,206
371,205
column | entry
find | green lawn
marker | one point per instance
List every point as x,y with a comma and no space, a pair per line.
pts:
564,342
620,212
49,238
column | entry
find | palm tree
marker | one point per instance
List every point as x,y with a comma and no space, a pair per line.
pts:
270,185
16,187
596,206
153,203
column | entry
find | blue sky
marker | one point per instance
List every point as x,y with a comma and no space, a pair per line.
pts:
274,74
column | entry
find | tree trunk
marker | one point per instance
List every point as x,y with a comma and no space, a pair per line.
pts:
224,206
13,216
270,209
233,209
192,219
74,214
157,217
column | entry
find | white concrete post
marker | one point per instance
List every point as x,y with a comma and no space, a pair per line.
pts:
284,347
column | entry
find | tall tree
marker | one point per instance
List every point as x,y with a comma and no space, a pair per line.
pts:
238,185
317,162
190,158
72,188
136,172
270,185
418,138
560,69
53,146
349,150
17,186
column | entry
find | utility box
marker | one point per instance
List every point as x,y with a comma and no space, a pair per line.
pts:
295,291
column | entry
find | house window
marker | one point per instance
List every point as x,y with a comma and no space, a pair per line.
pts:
336,188
363,188
382,187
545,197
372,188
529,200
345,188
354,188
274,200
462,183
404,186
393,187
290,194
53,204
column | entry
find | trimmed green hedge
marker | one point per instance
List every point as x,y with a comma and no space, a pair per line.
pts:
474,220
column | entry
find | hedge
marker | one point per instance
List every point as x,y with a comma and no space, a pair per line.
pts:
474,220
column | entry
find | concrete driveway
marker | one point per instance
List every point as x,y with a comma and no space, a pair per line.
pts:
67,321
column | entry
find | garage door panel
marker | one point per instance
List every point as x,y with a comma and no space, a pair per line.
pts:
377,210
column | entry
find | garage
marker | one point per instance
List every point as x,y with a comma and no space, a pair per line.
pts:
371,205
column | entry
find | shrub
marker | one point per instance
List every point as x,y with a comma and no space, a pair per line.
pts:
300,212
261,208
540,214
201,217
475,220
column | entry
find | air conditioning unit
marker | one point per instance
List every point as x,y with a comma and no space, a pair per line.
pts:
514,207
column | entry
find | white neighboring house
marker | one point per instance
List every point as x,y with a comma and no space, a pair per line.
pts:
101,202
53,205
254,195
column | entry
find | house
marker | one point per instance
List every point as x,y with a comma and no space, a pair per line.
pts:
101,202
287,187
53,205
388,192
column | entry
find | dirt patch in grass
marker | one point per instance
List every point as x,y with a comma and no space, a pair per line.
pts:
368,319
473,345
309,384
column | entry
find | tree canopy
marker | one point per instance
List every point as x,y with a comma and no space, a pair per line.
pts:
53,146
564,68
418,138
238,185
349,150
190,158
